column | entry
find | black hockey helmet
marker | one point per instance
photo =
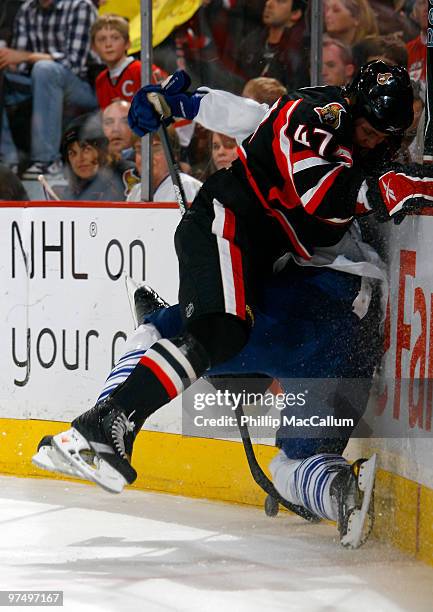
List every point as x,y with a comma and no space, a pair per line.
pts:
383,95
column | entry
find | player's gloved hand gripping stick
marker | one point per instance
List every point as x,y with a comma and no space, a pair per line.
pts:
154,107
142,117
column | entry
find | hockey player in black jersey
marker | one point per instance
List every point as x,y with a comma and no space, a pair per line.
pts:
302,177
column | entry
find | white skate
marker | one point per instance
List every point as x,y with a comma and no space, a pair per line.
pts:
353,489
74,450
47,458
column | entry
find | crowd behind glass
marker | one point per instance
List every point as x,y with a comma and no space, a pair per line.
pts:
67,81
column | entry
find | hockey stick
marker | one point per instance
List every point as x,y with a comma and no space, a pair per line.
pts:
47,188
271,505
161,107
428,130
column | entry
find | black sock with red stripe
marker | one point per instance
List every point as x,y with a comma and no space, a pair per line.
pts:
164,371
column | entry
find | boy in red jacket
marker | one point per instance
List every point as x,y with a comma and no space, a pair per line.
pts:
122,77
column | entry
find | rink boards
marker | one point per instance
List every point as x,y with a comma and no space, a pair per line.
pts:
66,317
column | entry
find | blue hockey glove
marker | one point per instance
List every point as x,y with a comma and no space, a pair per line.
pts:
143,117
184,105
177,83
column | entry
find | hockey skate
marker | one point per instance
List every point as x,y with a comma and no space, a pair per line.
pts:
143,300
106,434
353,490
47,458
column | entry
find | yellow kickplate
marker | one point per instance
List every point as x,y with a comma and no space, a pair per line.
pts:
196,467
217,469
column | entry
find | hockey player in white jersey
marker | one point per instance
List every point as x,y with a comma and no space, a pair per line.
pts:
297,188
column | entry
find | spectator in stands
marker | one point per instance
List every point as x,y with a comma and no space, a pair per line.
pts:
392,19
50,50
277,50
163,190
417,48
390,49
120,142
337,65
122,77
198,153
223,151
191,46
349,20
116,128
230,22
11,188
412,147
264,90
85,152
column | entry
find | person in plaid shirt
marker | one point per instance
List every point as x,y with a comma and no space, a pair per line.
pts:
49,54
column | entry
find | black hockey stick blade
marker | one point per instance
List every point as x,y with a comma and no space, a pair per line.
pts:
260,477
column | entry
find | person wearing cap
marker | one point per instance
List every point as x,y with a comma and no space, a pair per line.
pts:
85,154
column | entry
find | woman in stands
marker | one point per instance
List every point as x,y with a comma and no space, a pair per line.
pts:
349,20
85,154
223,151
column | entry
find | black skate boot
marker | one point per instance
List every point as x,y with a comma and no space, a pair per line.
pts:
143,300
106,430
146,301
353,490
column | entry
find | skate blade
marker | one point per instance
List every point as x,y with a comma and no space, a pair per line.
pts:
131,287
48,459
355,535
70,444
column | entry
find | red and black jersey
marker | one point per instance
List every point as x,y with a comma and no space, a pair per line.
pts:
125,85
299,164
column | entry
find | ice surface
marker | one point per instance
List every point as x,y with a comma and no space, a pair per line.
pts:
150,552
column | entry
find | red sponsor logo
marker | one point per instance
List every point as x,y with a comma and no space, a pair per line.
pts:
413,351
